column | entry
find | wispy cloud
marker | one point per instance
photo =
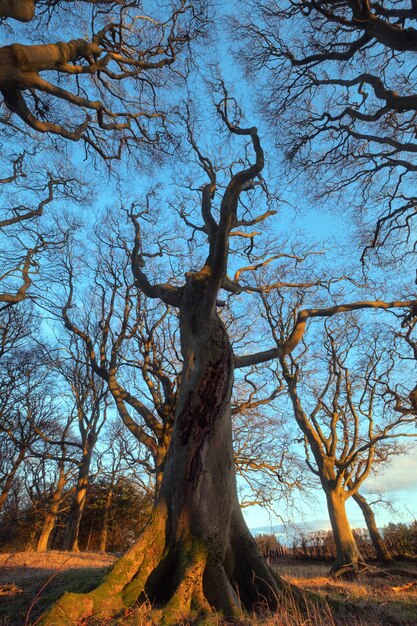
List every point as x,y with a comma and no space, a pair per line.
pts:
399,475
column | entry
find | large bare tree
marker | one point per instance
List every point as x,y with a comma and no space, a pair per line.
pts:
341,403
196,553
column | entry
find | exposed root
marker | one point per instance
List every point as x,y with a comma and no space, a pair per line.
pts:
348,570
68,610
219,590
406,587
121,586
392,571
258,586
188,596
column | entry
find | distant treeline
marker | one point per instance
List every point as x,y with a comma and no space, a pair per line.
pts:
22,519
401,540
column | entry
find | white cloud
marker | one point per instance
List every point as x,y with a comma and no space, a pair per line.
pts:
399,475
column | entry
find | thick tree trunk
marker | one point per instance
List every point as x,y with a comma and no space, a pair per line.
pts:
196,554
52,514
382,552
72,530
212,557
348,558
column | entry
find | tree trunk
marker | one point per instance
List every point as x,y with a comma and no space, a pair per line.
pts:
348,558
105,527
196,554
381,549
52,514
30,542
9,480
72,530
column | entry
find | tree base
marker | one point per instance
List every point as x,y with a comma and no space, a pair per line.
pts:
181,581
347,570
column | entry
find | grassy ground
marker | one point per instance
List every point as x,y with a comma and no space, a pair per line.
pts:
30,582
375,598
27,579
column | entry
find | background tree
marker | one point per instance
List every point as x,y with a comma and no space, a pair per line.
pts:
27,410
380,546
55,494
90,400
341,410
343,97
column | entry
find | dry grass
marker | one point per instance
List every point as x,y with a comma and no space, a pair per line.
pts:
370,597
54,559
24,574
369,600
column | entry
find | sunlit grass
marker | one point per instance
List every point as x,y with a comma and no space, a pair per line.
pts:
369,600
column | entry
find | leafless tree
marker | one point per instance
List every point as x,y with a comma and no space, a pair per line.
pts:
340,89
197,528
378,541
26,411
56,493
348,426
89,394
